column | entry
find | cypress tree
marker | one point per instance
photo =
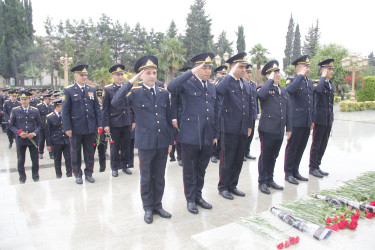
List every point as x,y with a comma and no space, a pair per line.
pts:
241,45
296,53
289,43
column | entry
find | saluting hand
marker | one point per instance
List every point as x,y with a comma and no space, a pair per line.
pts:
136,77
324,72
272,75
197,68
234,69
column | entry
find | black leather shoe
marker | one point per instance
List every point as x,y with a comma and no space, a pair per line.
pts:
172,159
213,159
273,185
163,213
316,173
237,192
51,157
180,163
22,181
58,176
322,172
79,180
36,180
148,217
90,179
244,158
226,194
291,180
300,177
248,156
130,165
40,156
192,207
127,171
203,203
69,175
114,173
10,146
264,189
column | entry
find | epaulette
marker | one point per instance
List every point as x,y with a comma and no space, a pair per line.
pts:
109,85
34,108
259,87
69,86
39,104
163,88
50,114
7,100
18,107
315,83
137,87
289,80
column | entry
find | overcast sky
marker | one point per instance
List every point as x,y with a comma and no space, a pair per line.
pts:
266,22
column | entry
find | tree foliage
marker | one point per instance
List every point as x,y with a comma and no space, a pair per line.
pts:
311,43
258,53
289,43
296,52
241,44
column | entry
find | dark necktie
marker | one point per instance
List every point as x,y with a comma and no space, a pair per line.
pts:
239,84
83,90
153,94
204,86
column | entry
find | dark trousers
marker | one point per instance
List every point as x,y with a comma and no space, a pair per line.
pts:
319,145
176,147
9,134
270,146
102,148
231,160
152,164
121,138
195,159
217,148
294,150
21,153
58,151
86,142
42,140
250,139
131,151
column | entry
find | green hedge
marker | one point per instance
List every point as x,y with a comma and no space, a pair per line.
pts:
336,99
367,93
349,106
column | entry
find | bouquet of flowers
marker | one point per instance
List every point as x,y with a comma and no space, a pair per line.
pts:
318,232
20,132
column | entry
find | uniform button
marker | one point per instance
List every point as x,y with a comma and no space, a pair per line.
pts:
208,118
26,122
226,110
157,122
281,110
87,116
156,106
206,94
159,130
253,102
143,105
26,126
87,110
243,106
86,104
124,112
156,113
282,118
308,95
243,113
206,101
280,103
195,93
243,99
208,110
309,102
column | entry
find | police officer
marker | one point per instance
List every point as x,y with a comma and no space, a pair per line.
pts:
117,121
44,108
221,72
153,132
301,95
198,131
7,110
176,111
236,125
3,97
273,120
254,107
322,117
81,119
33,100
57,140
25,125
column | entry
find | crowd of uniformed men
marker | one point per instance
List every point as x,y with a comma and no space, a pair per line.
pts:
201,118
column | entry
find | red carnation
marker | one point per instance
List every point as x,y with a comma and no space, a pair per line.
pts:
369,215
112,142
350,208
297,239
353,225
287,244
20,131
292,240
94,144
372,203
335,218
335,227
280,246
100,131
343,224
328,220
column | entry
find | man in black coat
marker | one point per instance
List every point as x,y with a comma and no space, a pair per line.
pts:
322,117
44,108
